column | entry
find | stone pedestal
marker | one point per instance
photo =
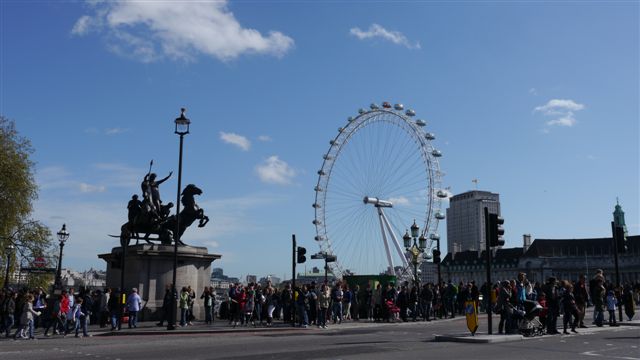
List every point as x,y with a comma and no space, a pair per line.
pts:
149,267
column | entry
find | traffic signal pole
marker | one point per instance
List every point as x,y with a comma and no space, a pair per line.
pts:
615,257
293,281
487,250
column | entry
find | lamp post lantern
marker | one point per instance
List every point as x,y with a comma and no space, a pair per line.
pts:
415,249
9,250
182,129
63,236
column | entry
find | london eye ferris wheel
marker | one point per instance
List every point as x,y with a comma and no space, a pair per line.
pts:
381,173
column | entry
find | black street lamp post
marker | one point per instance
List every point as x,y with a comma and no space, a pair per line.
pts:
9,249
63,236
416,249
182,129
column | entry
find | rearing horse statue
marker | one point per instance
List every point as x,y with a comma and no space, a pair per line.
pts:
190,213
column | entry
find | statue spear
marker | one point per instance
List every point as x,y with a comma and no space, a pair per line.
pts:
150,165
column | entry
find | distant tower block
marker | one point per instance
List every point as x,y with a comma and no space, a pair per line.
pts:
465,222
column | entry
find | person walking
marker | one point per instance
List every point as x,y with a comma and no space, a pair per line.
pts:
167,302
184,306
598,298
612,303
27,319
551,293
208,299
582,296
103,315
134,304
324,300
9,309
504,307
570,310
79,317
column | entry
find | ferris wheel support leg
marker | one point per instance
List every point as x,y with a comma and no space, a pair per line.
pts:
396,244
384,238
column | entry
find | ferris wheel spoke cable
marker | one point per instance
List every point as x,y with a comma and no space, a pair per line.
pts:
396,171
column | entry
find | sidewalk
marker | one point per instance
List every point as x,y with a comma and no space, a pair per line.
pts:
484,338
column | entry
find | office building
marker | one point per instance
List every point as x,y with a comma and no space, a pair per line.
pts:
465,220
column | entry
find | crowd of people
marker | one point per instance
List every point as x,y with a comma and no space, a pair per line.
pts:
310,304
66,312
70,312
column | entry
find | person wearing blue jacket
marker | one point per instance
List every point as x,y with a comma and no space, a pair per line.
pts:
134,303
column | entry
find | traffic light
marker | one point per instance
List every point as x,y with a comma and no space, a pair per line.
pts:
621,240
436,256
301,252
496,230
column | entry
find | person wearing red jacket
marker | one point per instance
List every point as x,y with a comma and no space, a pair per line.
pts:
64,310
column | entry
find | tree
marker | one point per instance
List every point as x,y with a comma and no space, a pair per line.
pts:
18,191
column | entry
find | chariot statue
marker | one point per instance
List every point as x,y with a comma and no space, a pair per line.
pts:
152,218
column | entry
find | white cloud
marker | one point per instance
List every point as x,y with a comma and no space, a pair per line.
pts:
81,26
265,138
235,139
150,30
88,188
563,111
377,31
401,200
567,120
559,106
115,131
275,171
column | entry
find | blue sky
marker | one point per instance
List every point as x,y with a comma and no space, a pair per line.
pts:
536,100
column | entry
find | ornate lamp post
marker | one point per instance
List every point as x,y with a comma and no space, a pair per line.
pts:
182,129
9,250
63,236
416,249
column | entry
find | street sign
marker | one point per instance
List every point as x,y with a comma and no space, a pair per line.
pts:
471,312
39,262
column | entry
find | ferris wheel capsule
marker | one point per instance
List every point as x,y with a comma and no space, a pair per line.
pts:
386,105
439,215
319,238
398,107
374,106
436,153
350,119
327,157
316,206
321,172
410,112
361,111
442,194
318,189
430,136
340,129
434,237
421,122
316,222
333,142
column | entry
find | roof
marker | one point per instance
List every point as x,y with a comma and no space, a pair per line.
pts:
553,247
544,248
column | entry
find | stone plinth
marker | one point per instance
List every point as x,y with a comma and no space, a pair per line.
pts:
149,267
